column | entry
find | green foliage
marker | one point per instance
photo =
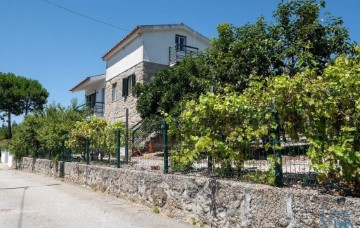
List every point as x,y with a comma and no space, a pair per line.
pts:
264,177
193,220
171,88
3,132
156,210
25,140
308,38
44,132
101,135
239,53
110,136
58,122
300,38
221,126
323,108
89,129
20,95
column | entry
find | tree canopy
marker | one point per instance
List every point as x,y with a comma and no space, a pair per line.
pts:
171,88
45,131
20,95
325,109
301,37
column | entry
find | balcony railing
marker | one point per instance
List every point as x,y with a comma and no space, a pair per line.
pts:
96,108
177,52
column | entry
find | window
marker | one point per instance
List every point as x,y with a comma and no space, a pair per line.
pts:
180,42
128,85
114,92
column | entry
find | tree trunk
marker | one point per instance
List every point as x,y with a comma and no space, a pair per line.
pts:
9,134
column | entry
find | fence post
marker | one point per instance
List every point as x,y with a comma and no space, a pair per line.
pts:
118,147
127,136
87,151
210,162
276,143
62,167
69,154
165,145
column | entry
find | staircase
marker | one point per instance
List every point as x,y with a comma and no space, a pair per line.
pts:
142,133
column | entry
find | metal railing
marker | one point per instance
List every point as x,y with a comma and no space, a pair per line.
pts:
95,108
178,51
144,132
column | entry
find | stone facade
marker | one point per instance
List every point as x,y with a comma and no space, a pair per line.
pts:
210,202
116,110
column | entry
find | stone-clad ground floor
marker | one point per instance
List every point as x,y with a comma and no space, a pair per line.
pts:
116,105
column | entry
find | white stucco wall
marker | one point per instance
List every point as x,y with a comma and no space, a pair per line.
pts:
6,158
150,46
11,160
157,43
128,57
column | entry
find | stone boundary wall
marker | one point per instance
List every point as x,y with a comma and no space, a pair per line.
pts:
213,202
41,166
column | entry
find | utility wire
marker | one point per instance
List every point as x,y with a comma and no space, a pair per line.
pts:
84,16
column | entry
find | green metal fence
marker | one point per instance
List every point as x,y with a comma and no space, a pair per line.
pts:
257,164
149,146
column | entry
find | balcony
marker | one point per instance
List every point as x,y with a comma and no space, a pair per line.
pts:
95,108
178,51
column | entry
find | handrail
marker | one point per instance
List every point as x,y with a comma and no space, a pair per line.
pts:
94,108
178,51
136,125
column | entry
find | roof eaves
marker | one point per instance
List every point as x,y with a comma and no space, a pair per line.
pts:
85,80
121,41
152,27
79,84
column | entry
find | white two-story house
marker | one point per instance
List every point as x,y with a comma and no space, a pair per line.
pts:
134,59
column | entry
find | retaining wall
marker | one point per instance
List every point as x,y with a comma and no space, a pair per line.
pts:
220,203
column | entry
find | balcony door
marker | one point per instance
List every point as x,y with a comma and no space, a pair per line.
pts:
91,100
180,42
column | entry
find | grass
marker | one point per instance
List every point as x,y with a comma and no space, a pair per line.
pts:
193,220
156,210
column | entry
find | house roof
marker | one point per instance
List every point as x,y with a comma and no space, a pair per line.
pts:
143,28
87,82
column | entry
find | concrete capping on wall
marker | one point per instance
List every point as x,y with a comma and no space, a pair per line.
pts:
213,202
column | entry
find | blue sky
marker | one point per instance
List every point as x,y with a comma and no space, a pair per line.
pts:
59,49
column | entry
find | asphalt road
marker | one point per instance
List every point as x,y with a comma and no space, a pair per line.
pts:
29,200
